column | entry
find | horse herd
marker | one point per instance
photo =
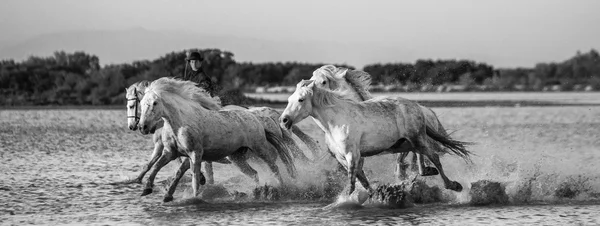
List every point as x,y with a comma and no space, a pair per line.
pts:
193,127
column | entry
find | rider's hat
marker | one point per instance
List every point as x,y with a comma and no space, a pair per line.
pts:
194,56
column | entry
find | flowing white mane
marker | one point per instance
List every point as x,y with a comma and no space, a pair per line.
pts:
360,81
139,87
185,89
324,97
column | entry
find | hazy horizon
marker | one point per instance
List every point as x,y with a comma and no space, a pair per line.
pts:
501,33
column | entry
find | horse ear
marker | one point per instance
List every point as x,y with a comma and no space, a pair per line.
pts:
310,84
341,72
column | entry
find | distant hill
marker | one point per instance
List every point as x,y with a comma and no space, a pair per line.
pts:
125,46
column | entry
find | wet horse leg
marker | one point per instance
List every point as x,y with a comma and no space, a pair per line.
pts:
353,161
240,160
401,166
362,178
156,153
185,165
452,185
267,153
165,158
428,149
425,170
208,167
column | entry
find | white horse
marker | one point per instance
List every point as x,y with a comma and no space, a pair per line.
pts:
358,83
201,134
268,116
360,129
134,94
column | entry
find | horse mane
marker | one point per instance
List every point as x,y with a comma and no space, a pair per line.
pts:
324,97
360,81
185,89
140,87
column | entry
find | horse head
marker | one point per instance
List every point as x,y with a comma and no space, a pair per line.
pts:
133,95
151,108
299,104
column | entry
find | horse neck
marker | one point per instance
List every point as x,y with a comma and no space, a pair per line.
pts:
179,112
328,117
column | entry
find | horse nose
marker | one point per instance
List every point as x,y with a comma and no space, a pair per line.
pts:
285,119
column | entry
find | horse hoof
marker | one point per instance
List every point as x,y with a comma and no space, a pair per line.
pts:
168,199
430,171
147,191
455,186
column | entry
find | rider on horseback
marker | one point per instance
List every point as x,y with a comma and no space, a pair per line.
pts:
198,75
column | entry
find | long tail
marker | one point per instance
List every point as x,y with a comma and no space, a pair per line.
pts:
293,146
457,147
309,141
284,153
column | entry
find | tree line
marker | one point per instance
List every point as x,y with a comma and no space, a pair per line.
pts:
78,79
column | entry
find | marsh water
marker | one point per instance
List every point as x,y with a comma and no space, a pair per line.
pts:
57,166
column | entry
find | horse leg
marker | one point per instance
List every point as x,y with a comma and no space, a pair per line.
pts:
267,153
429,150
353,163
425,170
185,165
401,166
208,167
166,157
452,185
196,166
240,160
362,178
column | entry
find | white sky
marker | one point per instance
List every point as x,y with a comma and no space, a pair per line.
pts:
501,32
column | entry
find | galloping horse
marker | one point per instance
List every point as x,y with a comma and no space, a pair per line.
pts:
134,94
357,83
268,116
191,130
360,129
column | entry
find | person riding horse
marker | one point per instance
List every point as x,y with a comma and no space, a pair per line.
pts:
198,75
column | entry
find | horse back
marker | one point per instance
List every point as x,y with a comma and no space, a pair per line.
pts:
407,114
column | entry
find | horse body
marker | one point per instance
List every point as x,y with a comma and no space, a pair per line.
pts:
268,116
198,133
357,83
134,94
357,129
236,129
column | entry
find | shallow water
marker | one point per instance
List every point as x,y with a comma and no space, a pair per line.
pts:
57,164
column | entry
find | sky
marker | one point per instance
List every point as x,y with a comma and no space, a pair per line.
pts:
505,33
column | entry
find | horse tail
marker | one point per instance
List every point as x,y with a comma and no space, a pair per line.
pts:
293,146
457,147
283,152
309,141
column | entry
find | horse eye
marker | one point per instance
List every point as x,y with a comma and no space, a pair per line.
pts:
300,100
154,103
131,107
324,82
